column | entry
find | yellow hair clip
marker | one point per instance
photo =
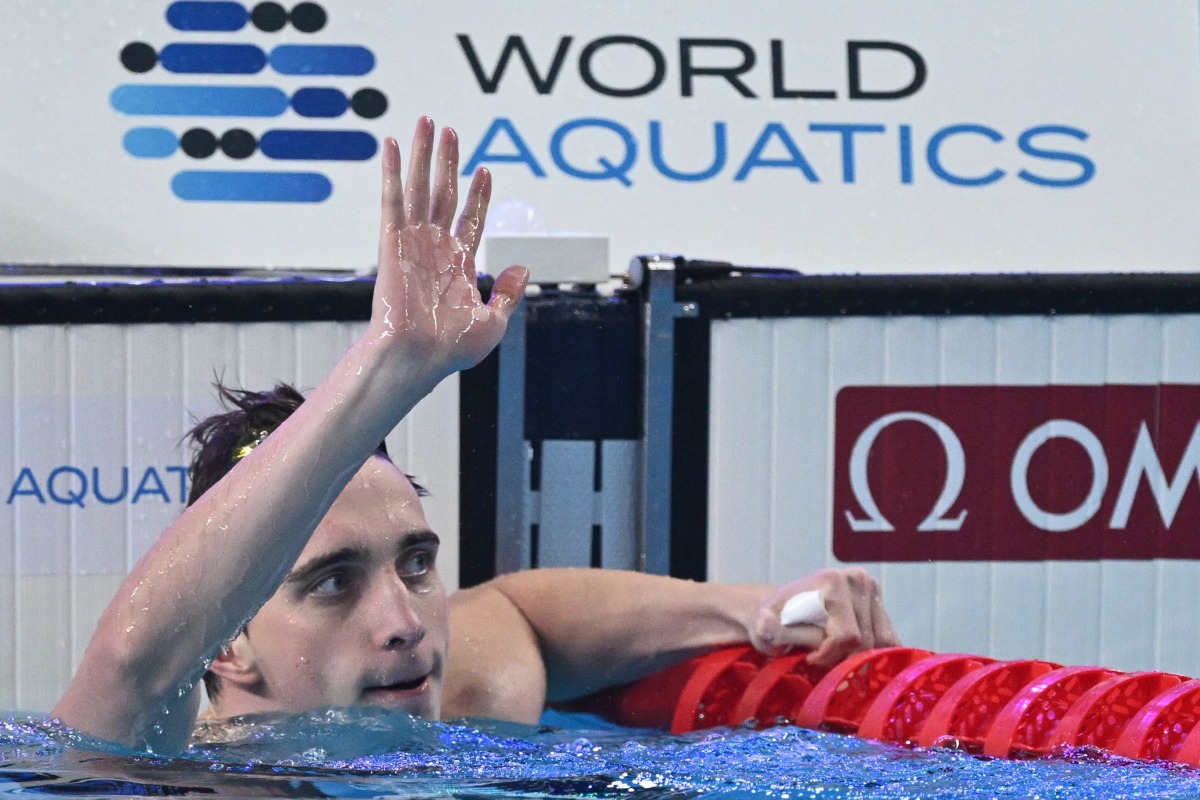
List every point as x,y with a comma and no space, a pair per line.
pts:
245,449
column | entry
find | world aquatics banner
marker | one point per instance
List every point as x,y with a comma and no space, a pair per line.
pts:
858,136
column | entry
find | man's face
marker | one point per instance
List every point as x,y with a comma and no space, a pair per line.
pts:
362,617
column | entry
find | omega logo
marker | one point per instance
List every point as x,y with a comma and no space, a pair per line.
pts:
1143,461
956,471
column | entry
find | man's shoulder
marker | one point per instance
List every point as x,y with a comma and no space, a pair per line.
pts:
494,664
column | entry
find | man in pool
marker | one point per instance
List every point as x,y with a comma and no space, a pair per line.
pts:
306,577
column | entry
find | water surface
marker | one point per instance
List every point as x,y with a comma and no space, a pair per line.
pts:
367,753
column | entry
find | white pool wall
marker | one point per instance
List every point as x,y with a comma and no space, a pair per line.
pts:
774,382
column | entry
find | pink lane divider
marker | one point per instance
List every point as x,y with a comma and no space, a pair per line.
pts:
715,688
903,695
965,713
774,696
1160,729
840,700
1101,713
900,710
1025,726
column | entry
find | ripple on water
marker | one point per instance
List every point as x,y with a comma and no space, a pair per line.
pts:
371,753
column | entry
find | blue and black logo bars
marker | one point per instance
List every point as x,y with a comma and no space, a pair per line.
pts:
215,62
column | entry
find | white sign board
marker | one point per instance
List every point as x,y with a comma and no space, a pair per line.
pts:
859,136
773,503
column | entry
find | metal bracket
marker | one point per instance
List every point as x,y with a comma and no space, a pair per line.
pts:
658,273
513,549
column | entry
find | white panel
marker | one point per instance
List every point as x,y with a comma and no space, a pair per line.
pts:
740,454
800,366
1128,611
911,353
98,422
41,444
857,355
962,598
1078,356
1123,614
1023,346
43,660
1178,595
620,471
565,517
267,354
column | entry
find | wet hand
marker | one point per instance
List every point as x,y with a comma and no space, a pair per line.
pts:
857,618
426,300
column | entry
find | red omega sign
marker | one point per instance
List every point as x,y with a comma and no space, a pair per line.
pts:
1016,473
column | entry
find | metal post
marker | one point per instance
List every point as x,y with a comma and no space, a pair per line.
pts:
658,272
513,548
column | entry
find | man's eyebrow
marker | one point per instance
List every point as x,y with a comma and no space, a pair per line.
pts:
314,565
347,554
420,537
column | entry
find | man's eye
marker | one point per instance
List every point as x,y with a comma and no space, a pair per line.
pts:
330,585
416,563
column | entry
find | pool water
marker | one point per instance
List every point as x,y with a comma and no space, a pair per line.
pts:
367,753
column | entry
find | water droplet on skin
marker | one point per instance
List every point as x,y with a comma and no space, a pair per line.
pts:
387,321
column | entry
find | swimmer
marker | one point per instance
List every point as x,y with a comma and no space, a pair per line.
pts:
304,574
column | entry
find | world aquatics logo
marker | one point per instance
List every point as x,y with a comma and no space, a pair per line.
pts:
222,94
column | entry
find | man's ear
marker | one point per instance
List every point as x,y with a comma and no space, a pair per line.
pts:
237,664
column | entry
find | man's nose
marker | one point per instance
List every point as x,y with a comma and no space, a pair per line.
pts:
395,623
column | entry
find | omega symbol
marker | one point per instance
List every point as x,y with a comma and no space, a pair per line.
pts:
955,473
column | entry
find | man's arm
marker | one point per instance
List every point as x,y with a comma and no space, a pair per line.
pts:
554,634
226,554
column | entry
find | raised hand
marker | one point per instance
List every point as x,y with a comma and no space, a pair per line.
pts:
426,300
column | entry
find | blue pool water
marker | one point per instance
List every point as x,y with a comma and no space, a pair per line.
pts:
362,754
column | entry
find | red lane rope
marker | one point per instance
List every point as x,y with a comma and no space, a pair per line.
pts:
904,695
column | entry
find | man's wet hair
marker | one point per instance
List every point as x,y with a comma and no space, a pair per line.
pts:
223,439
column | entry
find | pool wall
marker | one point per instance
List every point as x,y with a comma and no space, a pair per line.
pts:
99,381
799,370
